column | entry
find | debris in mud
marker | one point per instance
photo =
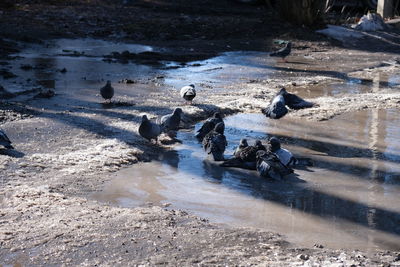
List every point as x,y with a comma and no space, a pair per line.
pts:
26,67
127,81
45,93
63,70
10,111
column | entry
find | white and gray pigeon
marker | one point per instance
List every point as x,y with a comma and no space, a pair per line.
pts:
276,109
268,165
284,155
5,141
188,93
209,125
283,52
295,102
107,91
148,129
171,121
214,142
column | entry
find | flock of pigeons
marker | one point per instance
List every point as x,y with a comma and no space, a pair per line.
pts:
270,160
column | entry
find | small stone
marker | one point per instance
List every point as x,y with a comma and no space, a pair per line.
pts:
303,257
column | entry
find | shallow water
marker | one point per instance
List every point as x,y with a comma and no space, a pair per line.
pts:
349,199
87,71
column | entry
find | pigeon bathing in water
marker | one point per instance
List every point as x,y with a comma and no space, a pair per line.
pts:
284,155
214,142
5,141
283,52
107,91
246,157
276,108
188,93
295,102
242,144
209,125
268,165
148,129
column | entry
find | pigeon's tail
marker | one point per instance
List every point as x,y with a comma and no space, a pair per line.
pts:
276,113
9,147
233,162
200,136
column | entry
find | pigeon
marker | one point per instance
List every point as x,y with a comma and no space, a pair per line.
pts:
208,125
188,93
5,141
284,155
242,144
283,52
214,142
171,122
148,129
246,157
107,91
269,165
295,102
276,108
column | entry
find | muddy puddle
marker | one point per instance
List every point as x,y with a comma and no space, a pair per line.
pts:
348,199
77,68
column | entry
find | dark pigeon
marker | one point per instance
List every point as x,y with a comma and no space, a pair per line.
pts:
209,125
276,108
246,157
295,102
188,93
171,121
148,129
268,165
107,91
214,142
283,52
5,141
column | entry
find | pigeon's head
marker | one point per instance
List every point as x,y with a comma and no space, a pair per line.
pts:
243,142
144,118
258,143
191,85
220,128
274,144
289,44
177,111
282,91
108,82
217,115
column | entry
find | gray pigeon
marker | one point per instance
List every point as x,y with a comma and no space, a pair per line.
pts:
171,121
107,91
285,156
295,102
214,142
268,165
209,125
148,129
5,141
188,93
276,108
246,157
283,52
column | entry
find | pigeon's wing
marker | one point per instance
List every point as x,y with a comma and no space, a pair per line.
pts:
275,110
295,102
248,154
207,127
4,137
220,142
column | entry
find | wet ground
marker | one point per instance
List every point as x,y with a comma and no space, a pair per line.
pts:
346,200
75,145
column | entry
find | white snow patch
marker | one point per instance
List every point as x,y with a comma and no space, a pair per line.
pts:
341,33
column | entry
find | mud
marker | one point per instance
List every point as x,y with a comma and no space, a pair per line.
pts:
67,147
